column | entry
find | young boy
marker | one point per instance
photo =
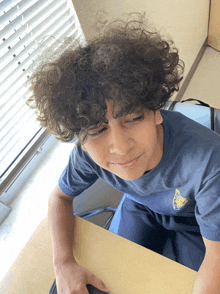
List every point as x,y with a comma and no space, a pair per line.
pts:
110,94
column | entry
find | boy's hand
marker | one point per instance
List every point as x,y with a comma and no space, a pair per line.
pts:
72,278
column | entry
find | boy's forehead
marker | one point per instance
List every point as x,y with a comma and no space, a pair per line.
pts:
115,108
111,106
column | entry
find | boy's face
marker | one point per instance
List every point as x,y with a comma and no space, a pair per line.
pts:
127,139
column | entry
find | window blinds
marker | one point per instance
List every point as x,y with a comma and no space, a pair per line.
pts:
23,26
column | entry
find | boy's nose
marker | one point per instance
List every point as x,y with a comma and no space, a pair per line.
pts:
120,142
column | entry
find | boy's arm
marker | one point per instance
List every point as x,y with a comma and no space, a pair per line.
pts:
208,276
61,220
70,276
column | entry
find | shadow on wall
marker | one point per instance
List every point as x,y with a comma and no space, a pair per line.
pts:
99,195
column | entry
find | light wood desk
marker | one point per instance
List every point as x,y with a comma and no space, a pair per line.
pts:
124,267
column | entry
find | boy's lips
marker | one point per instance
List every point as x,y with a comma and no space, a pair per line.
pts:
126,162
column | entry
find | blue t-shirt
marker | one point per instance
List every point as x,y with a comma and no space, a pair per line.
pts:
185,183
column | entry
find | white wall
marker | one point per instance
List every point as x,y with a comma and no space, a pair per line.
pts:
184,21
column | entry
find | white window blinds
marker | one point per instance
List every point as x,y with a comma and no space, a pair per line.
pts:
23,26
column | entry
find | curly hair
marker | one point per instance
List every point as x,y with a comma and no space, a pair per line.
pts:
128,65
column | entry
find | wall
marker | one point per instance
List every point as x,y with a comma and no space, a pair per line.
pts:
184,21
204,84
214,25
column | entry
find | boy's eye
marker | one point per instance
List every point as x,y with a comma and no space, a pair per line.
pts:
129,121
136,118
97,133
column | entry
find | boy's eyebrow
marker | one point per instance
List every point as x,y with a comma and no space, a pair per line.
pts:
98,125
106,120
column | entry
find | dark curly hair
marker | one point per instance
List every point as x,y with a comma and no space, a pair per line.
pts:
127,64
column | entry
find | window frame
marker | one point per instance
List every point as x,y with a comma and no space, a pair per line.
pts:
27,161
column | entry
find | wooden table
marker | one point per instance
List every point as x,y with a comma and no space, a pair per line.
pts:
124,267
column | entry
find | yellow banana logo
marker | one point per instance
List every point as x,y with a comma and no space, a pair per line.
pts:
179,201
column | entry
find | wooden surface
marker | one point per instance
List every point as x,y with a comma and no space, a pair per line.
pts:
128,268
124,266
214,25
32,272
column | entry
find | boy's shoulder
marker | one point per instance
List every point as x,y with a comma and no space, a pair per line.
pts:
179,125
194,145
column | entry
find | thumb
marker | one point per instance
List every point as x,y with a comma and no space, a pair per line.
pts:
97,283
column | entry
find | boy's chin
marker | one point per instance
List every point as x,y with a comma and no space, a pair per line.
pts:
130,177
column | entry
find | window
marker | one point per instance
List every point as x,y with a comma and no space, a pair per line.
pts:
24,24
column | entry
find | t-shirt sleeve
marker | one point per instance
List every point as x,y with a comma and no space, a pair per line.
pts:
207,208
78,175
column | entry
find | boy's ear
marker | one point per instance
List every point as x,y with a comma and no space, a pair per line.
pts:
83,148
158,117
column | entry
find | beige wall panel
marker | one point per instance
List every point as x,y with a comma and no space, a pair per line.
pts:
184,21
205,82
214,25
